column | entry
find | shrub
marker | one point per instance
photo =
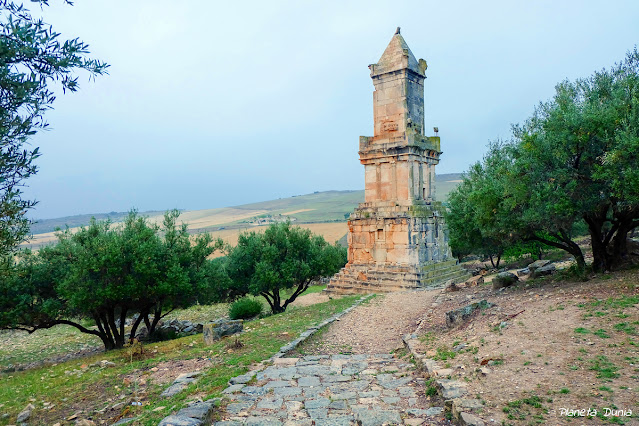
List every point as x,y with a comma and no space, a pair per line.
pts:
245,308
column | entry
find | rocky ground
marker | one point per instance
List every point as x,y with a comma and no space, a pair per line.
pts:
545,346
325,390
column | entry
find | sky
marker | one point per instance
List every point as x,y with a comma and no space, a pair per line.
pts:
211,104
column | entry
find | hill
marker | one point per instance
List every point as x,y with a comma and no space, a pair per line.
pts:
322,212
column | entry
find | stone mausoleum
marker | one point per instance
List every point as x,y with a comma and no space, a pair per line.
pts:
397,238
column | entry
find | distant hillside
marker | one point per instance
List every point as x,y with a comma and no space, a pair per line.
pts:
317,208
49,225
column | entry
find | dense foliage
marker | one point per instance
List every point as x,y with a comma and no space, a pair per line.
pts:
32,57
574,161
106,273
282,258
245,308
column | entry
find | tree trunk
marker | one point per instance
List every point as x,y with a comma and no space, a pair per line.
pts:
156,319
105,334
122,321
619,250
277,302
565,243
597,242
301,288
134,328
117,337
268,299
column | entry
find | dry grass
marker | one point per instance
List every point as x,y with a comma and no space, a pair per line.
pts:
297,211
330,231
198,219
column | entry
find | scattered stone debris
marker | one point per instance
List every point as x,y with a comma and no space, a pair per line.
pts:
474,281
538,264
172,327
25,414
221,327
453,391
180,383
451,286
125,421
543,270
460,315
197,414
504,279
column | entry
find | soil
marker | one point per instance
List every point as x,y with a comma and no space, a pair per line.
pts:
375,327
544,340
310,299
545,346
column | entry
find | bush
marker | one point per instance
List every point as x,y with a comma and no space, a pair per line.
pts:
245,308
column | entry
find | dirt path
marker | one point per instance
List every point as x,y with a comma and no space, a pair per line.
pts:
374,327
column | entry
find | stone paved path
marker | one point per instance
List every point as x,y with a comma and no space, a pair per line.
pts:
324,390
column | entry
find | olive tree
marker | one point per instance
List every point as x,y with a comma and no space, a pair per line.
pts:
104,273
282,258
33,59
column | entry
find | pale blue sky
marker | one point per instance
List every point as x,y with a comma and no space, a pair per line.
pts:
211,104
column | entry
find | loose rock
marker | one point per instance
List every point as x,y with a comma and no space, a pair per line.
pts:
222,327
25,414
504,279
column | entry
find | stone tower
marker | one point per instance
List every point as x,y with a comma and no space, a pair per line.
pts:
397,238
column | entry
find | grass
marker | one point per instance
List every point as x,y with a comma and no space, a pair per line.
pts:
443,354
601,333
18,347
626,327
604,367
70,385
530,408
430,389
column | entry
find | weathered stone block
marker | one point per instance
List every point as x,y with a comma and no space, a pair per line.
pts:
222,327
460,315
538,264
504,279
544,270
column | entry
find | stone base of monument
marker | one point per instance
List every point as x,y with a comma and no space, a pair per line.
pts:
371,278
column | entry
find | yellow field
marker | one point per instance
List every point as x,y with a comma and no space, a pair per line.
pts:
198,219
330,231
297,211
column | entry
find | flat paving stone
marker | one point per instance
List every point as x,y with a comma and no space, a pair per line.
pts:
307,381
315,390
277,384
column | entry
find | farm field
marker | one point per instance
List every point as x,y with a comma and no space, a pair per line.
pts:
324,213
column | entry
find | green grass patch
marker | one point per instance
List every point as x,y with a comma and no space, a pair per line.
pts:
443,354
601,333
530,409
69,385
581,330
626,327
604,368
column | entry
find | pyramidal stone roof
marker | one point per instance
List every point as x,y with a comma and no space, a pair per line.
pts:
397,56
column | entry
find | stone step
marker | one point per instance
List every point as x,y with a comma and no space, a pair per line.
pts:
394,278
